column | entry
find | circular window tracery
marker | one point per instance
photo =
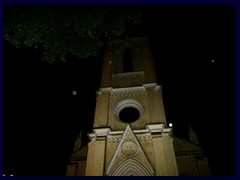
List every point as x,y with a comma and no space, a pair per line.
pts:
129,114
128,111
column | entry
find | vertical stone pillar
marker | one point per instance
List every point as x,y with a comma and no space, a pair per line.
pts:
164,155
96,152
95,157
158,151
102,105
156,108
165,160
169,154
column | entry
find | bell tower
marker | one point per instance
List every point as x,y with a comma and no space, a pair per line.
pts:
130,136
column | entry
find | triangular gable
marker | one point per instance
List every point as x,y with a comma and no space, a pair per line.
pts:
129,158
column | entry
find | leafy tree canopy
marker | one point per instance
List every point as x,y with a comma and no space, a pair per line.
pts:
61,29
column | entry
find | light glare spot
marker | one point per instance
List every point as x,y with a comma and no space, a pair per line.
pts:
213,61
74,93
170,124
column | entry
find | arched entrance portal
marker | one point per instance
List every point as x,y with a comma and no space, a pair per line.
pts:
131,167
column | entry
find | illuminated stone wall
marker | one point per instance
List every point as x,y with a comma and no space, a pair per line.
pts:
139,144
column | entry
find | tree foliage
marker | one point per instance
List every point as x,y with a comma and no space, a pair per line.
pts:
61,29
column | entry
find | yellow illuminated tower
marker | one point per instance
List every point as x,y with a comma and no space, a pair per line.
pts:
130,136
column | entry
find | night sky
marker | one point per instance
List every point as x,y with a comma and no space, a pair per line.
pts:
193,51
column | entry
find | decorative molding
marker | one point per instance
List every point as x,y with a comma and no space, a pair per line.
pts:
131,167
152,86
114,139
142,134
144,137
155,128
129,148
128,103
128,74
103,91
116,132
99,132
160,129
140,131
127,94
129,156
128,79
167,131
128,91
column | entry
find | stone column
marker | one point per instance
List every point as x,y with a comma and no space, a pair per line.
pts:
163,152
102,105
158,151
155,103
171,163
96,153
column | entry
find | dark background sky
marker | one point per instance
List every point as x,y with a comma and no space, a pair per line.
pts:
42,117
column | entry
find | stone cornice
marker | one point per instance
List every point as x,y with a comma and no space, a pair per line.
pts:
151,129
132,91
103,91
128,74
136,90
159,129
152,86
99,132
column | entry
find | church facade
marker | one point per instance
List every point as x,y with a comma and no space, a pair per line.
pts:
130,135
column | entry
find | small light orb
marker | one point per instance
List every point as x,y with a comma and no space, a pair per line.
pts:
170,124
11,174
74,93
4,174
109,62
213,60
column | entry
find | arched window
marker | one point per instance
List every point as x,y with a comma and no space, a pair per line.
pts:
127,60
